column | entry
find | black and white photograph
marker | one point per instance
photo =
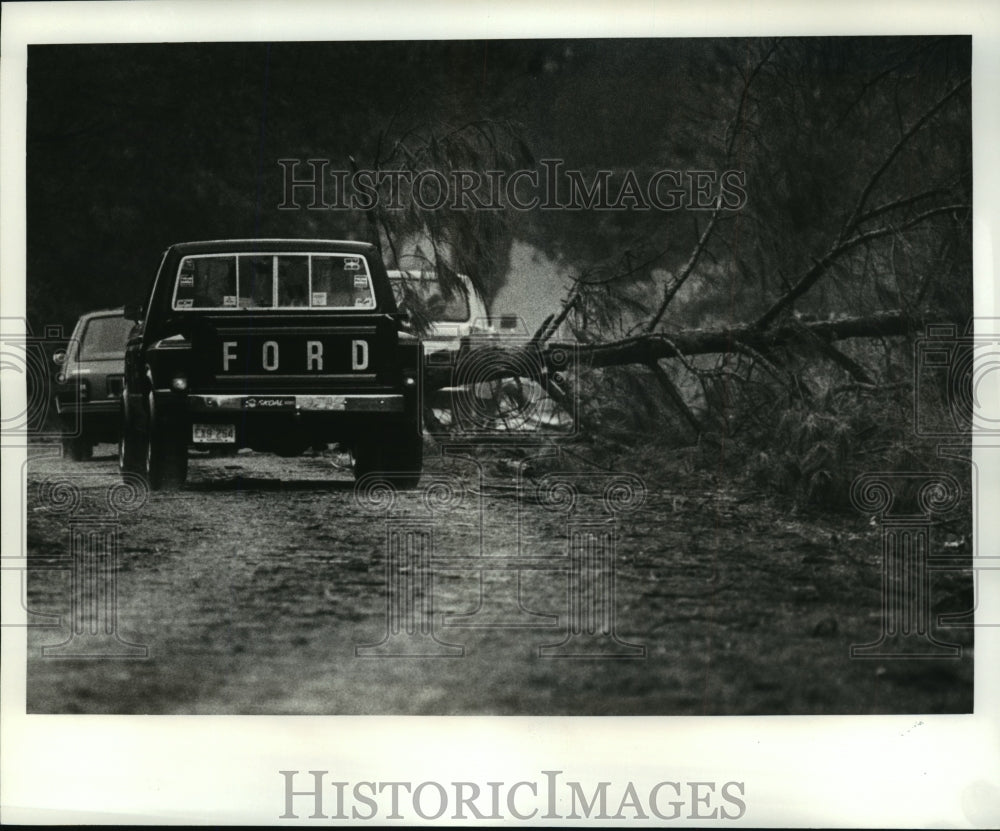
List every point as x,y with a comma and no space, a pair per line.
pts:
626,374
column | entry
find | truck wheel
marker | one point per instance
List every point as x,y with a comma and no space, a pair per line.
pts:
366,457
78,449
166,461
406,456
400,459
131,450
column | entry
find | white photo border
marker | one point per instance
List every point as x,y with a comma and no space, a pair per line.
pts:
893,771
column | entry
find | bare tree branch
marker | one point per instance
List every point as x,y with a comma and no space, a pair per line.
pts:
649,348
745,97
852,367
775,372
885,73
675,397
898,203
671,291
553,322
853,219
819,267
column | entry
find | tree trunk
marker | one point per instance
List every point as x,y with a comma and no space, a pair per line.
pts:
649,348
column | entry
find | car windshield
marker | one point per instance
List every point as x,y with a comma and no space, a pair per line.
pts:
274,281
104,338
430,298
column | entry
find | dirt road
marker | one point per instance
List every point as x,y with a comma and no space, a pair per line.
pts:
269,586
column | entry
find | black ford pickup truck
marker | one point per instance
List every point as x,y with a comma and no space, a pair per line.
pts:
273,344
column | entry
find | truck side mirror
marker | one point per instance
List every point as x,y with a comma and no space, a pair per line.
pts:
133,311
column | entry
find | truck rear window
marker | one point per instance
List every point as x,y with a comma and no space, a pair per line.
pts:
273,281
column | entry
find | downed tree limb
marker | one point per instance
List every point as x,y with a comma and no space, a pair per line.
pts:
856,217
839,248
648,348
553,322
671,291
848,364
785,378
671,391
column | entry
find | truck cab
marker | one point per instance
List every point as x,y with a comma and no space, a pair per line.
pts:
276,345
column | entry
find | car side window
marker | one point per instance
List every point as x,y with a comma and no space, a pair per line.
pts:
103,338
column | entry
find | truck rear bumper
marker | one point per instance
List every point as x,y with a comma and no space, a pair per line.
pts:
356,403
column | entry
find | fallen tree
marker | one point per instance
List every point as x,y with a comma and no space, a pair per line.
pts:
653,347
494,359
830,235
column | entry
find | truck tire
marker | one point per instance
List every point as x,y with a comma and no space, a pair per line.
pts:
131,448
399,459
78,449
166,459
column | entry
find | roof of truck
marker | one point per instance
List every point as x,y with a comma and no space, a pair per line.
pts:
268,244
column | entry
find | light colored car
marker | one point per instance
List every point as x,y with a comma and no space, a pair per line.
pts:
447,318
463,342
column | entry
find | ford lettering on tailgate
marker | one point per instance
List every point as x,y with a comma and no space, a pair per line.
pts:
294,355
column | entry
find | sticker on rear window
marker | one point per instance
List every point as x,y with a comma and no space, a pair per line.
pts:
183,303
352,264
319,298
229,300
360,281
186,281
362,301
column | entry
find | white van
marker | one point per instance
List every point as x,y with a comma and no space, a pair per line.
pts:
449,320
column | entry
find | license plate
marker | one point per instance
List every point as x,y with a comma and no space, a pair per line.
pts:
214,434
